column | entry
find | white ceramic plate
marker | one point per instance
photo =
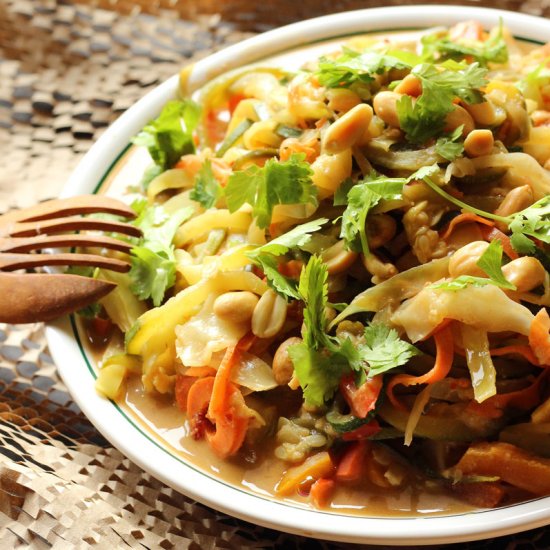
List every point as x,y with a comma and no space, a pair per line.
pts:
76,366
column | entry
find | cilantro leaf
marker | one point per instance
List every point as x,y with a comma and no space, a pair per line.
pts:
275,183
384,350
352,67
533,221
426,118
491,262
449,147
361,198
170,135
265,256
153,268
207,190
492,50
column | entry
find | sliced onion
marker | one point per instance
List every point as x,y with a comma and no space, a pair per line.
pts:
253,373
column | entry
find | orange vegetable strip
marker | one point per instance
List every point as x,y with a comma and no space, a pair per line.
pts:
491,234
199,372
464,218
181,390
321,492
539,339
218,402
524,351
350,467
316,466
444,344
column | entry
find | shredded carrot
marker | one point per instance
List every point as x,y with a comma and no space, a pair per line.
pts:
350,467
292,145
444,344
199,372
525,351
465,217
361,399
491,234
321,492
539,339
181,390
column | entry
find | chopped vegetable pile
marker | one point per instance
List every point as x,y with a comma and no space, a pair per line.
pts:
346,267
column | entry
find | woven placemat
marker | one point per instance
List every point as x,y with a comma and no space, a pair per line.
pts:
67,70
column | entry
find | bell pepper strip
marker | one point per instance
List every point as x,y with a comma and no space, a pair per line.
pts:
316,466
539,337
351,465
444,344
525,351
465,217
509,463
492,233
321,492
363,432
362,399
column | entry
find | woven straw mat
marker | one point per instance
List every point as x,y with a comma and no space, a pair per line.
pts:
67,70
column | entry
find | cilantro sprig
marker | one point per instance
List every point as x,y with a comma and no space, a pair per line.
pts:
321,360
450,147
491,263
207,189
287,182
170,135
266,256
153,262
441,84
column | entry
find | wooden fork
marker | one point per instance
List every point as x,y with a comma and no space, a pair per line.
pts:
26,298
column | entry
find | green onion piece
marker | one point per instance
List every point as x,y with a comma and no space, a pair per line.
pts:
230,140
213,243
250,155
287,131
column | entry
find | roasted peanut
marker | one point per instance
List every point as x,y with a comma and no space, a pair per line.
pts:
385,107
381,228
348,129
337,258
237,307
458,117
269,315
517,199
479,143
283,368
410,85
342,100
526,273
464,260
486,113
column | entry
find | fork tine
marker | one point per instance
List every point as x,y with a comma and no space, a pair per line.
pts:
27,229
12,262
82,204
25,244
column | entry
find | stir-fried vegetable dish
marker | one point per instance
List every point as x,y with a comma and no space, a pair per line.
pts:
346,266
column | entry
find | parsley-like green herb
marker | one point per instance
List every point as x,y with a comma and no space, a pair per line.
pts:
275,183
361,198
491,263
207,190
492,50
266,256
384,350
153,268
440,86
450,147
352,67
170,135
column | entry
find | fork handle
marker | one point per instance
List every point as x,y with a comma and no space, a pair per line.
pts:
32,298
